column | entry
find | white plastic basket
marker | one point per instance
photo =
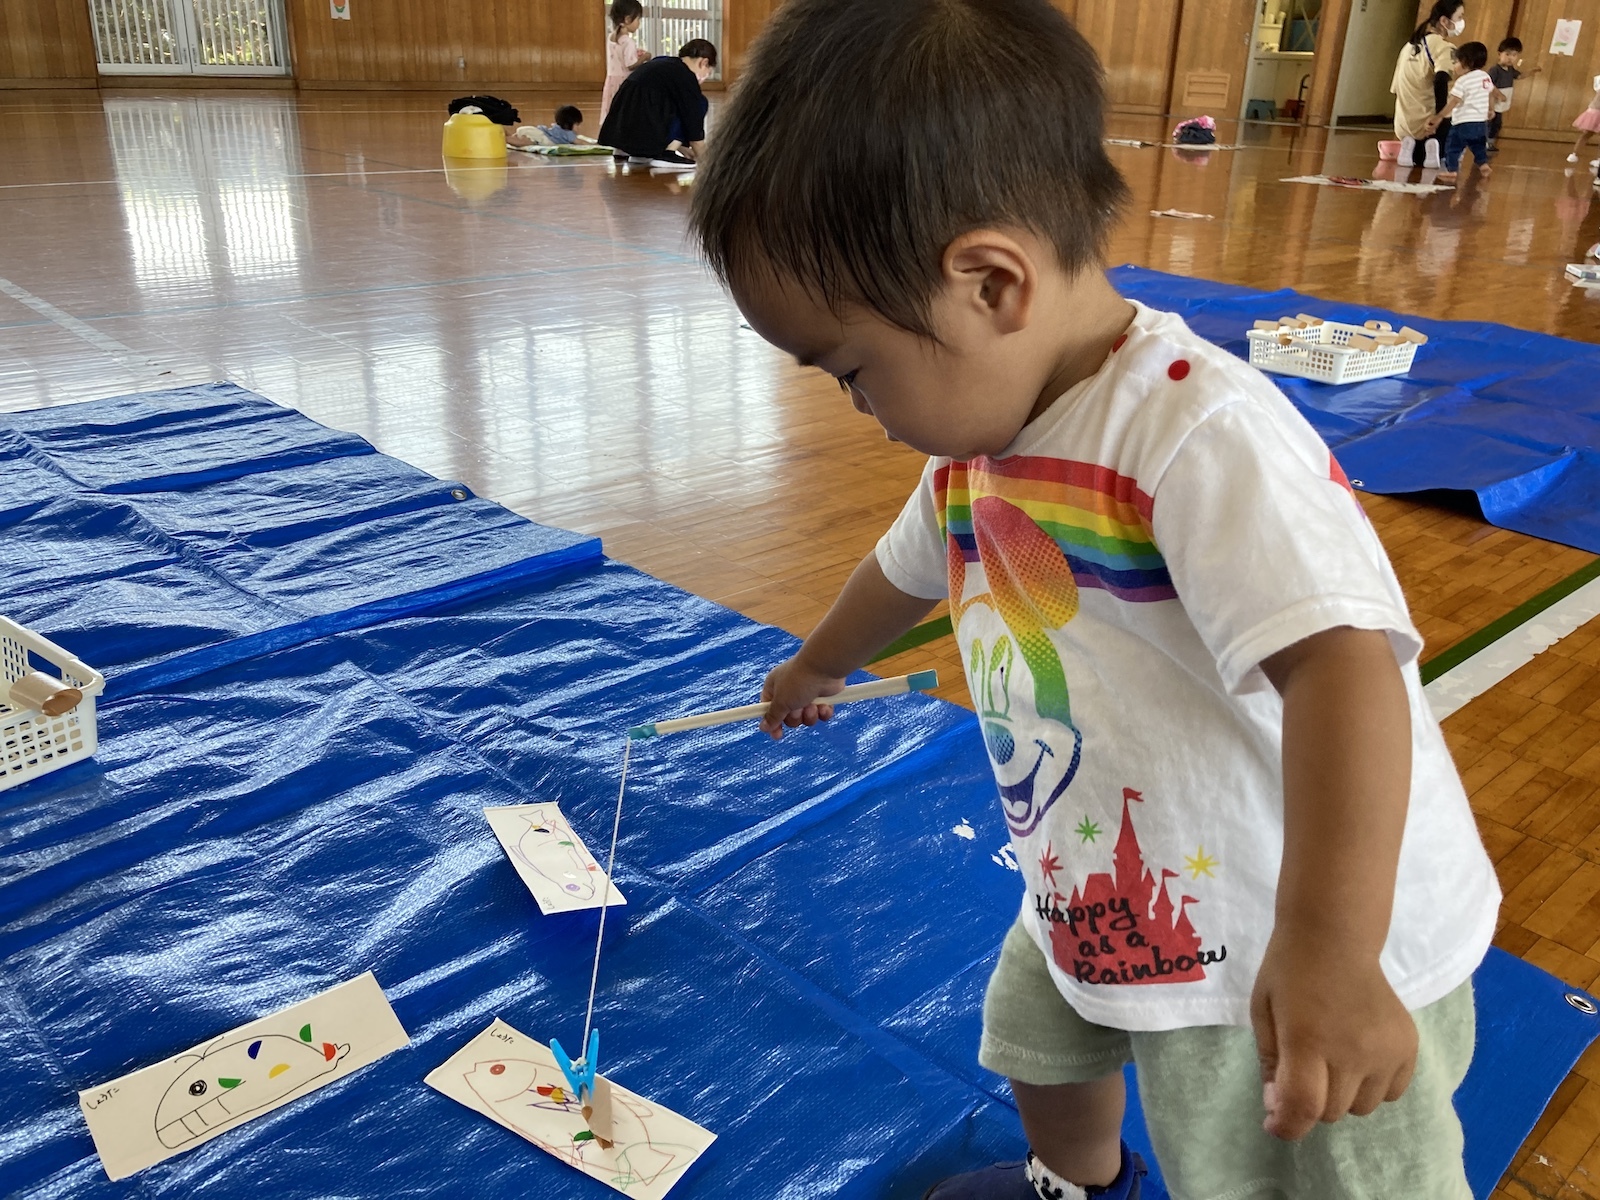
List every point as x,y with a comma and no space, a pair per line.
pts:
1320,353
32,744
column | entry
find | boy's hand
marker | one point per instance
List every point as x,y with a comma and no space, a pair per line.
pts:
1332,1036
792,688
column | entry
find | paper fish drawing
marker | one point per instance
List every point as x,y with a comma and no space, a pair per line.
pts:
238,1077
172,1106
550,858
551,848
515,1081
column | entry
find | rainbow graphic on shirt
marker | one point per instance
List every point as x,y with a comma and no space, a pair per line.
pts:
1099,519
1041,528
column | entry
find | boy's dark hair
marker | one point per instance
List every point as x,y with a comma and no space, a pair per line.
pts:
1472,55
699,48
1509,44
625,10
964,114
569,115
497,110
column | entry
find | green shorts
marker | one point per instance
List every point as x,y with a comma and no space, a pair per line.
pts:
1201,1093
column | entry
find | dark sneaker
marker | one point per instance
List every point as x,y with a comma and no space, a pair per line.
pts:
1009,1181
1003,1181
671,160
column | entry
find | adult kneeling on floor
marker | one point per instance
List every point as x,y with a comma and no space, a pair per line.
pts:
659,112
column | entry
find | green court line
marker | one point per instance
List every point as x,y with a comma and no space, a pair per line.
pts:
1453,656
921,635
1447,659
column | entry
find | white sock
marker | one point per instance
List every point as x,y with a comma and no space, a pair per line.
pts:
1048,1184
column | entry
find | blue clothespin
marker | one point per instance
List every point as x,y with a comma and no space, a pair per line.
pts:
580,1074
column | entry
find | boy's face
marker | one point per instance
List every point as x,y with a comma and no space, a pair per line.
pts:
960,397
1508,58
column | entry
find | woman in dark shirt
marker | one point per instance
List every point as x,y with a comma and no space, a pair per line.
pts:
661,103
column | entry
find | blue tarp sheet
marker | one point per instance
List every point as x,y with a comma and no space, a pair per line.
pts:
1511,416
807,936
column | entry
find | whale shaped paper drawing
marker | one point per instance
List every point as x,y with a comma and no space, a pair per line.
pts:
239,1077
550,858
190,1098
515,1082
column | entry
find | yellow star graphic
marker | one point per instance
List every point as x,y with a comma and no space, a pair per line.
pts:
1200,863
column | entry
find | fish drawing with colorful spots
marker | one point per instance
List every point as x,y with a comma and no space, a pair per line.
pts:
551,849
236,1078
533,1099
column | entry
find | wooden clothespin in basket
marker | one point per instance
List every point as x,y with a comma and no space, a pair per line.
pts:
1413,335
44,692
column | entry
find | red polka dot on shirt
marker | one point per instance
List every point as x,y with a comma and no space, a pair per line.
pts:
1178,370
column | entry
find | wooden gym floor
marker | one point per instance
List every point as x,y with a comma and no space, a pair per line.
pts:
543,333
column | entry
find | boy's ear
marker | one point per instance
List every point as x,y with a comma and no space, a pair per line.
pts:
993,276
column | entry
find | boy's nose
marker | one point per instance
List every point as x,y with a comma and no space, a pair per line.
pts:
860,403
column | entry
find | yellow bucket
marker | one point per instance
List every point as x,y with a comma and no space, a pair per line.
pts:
473,135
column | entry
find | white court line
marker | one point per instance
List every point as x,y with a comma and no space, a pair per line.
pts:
1505,656
561,159
84,331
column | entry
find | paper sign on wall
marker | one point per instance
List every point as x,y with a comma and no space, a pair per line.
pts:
515,1082
551,859
1565,40
175,1105
339,10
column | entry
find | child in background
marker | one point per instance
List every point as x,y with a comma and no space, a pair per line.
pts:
562,132
1588,123
1176,622
1504,75
1471,97
622,52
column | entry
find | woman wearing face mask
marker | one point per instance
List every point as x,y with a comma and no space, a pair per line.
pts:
1421,83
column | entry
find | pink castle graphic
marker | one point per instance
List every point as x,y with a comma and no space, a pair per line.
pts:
1122,927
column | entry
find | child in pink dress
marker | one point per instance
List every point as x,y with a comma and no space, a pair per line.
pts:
622,52
1588,123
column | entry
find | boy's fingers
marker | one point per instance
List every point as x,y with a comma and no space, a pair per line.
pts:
1342,1093
1300,1094
1266,1036
1368,1096
1402,1079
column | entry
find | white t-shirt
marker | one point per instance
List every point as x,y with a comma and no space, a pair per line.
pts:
1116,575
1473,90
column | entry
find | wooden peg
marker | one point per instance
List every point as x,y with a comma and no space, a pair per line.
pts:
1308,319
45,693
598,1113
1412,335
1267,326
1362,342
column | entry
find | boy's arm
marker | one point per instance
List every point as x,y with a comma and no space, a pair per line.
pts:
1332,1035
1443,114
869,614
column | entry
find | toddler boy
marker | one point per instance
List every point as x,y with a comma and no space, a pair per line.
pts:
1472,95
1504,75
1250,866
